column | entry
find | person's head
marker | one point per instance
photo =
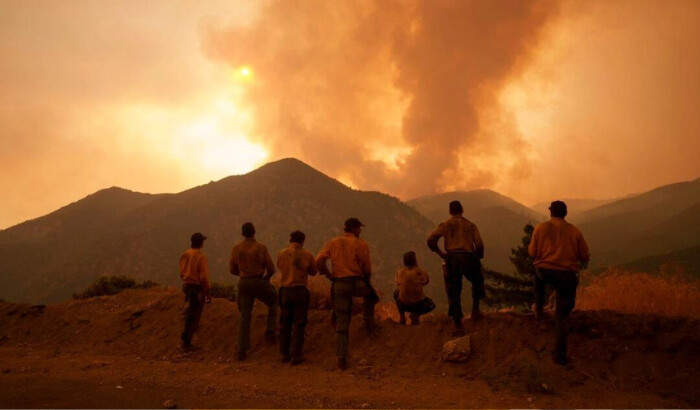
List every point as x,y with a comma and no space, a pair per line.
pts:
409,259
297,237
456,208
248,230
354,226
557,209
197,240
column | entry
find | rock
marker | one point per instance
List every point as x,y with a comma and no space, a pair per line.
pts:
169,404
365,405
456,350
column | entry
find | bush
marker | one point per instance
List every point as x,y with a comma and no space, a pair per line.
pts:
111,285
670,294
220,290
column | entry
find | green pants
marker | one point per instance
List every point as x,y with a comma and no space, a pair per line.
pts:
294,306
250,289
343,292
193,312
565,284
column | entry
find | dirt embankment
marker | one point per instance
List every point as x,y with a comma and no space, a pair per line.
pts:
123,351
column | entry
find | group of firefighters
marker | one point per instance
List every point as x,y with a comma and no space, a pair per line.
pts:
557,248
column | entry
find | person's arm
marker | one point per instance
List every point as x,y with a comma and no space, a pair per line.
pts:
433,239
204,278
323,255
533,247
233,263
269,265
182,266
312,271
397,278
426,277
478,244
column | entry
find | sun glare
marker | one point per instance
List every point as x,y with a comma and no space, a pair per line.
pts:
243,74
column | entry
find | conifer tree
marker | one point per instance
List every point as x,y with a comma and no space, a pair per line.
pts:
513,290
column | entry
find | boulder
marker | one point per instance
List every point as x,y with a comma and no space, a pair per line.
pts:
456,350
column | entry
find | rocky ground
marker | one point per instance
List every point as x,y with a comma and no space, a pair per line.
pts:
122,352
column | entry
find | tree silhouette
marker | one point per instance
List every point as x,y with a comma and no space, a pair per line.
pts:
511,290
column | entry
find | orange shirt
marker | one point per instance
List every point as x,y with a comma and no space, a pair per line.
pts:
460,236
194,268
556,244
296,264
411,281
250,259
349,257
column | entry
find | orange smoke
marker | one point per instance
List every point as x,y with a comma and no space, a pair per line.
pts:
388,94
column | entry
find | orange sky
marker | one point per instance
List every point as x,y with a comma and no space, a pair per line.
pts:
535,99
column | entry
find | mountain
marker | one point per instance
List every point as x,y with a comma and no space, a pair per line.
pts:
687,261
118,232
500,220
575,206
656,222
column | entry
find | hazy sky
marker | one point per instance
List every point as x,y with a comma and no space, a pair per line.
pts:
535,99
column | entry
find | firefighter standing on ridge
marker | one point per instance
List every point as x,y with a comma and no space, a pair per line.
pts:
296,264
464,250
559,251
250,260
351,272
194,272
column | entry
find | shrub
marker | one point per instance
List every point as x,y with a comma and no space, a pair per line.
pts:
670,294
220,290
111,285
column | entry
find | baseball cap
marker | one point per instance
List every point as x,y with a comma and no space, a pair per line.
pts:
352,223
197,236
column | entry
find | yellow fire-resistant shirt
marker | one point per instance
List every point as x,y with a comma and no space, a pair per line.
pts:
296,264
411,281
349,257
460,234
250,259
194,268
556,244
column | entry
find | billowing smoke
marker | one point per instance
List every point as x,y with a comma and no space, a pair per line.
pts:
400,96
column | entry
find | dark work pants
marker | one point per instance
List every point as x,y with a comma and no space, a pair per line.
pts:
424,306
294,307
250,289
565,284
193,312
460,265
343,292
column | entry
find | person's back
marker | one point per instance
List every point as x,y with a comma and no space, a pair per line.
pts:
349,256
252,258
409,296
411,280
194,272
295,264
558,244
462,235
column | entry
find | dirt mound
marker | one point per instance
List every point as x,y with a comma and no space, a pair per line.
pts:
628,360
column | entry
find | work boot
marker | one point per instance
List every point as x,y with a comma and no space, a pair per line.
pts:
186,342
298,360
415,319
402,318
286,358
342,363
241,356
270,337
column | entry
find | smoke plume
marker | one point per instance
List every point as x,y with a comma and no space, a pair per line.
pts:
397,95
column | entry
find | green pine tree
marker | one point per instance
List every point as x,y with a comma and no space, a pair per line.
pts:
513,290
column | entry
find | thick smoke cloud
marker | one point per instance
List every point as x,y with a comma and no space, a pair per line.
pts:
388,95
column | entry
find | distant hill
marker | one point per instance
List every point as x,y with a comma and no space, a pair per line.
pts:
118,232
575,206
657,222
685,260
500,220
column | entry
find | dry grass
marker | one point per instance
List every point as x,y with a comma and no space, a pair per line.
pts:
666,293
